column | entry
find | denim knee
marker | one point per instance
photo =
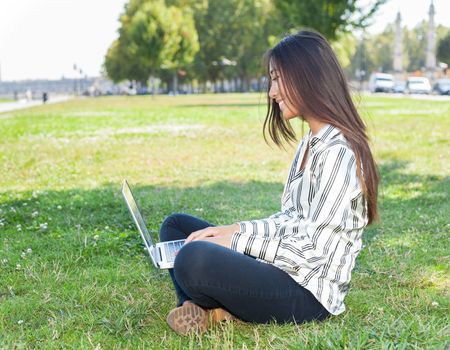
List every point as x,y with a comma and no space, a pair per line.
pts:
169,221
192,261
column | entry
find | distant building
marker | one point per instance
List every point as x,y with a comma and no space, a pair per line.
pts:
430,54
430,61
398,45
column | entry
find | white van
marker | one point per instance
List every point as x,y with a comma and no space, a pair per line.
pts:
381,82
418,85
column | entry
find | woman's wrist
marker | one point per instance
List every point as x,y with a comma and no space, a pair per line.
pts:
234,228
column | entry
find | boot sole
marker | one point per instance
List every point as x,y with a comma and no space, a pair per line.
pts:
188,318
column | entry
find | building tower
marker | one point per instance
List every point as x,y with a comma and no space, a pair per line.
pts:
430,62
398,45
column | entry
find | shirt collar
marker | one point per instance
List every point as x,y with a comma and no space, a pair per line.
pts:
325,134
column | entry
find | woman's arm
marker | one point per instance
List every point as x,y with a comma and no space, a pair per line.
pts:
222,235
311,240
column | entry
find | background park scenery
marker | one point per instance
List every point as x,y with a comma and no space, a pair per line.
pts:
73,270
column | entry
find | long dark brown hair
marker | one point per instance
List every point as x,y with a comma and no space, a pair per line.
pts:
316,85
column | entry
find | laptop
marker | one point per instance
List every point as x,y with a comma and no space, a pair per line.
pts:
163,253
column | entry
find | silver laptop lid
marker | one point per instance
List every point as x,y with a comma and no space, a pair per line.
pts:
137,217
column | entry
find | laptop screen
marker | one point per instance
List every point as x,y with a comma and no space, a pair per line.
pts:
135,212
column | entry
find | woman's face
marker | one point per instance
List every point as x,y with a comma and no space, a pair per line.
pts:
277,92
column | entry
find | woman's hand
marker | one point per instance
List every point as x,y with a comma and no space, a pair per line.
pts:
215,234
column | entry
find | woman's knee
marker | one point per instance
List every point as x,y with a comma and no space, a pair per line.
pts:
169,222
193,260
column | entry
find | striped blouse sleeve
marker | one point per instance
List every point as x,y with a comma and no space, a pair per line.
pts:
310,241
265,227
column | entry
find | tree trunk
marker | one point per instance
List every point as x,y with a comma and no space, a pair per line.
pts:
175,83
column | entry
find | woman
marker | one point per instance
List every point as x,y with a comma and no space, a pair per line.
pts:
295,265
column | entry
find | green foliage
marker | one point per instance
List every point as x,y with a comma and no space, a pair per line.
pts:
416,45
376,51
233,32
330,17
152,36
73,273
443,49
345,48
381,49
222,39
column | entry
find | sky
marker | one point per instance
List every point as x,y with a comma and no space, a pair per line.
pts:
43,39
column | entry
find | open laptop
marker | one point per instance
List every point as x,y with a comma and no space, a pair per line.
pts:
163,253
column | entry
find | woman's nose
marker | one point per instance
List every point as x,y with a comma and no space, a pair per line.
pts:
273,91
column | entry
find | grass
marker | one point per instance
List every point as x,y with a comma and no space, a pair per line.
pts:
73,273
3,100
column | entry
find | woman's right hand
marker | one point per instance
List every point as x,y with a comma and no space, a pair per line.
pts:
213,231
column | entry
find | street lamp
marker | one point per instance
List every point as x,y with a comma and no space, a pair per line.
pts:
75,68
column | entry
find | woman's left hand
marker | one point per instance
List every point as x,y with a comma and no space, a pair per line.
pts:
215,234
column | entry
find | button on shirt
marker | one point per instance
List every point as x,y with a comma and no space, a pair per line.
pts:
316,236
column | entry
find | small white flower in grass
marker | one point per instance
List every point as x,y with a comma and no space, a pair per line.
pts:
59,207
1,224
4,261
19,227
24,204
435,304
20,322
18,267
12,209
43,226
23,255
198,209
96,237
107,228
29,250
34,214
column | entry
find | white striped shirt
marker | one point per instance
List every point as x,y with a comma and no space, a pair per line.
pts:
316,236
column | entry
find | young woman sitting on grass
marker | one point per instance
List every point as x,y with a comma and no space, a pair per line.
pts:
296,264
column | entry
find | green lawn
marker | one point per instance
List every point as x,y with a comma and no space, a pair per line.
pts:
3,100
73,273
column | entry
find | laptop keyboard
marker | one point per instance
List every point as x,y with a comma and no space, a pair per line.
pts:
171,249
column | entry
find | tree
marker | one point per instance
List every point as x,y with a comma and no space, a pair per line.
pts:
233,35
443,49
152,36
416,44
329,17
345,48
380,49
251,28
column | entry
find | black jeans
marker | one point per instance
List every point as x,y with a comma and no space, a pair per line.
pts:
212,276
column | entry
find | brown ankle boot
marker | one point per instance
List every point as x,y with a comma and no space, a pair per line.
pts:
192,318
219,314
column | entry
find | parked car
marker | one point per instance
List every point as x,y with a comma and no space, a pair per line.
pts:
381,82
418,85
399,86
442,87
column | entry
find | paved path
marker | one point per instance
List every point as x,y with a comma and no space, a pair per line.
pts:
21,104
